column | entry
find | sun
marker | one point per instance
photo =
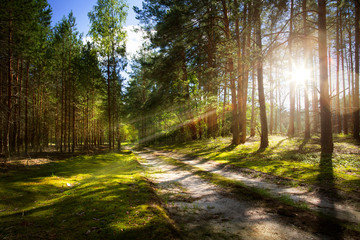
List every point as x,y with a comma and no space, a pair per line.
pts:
300,74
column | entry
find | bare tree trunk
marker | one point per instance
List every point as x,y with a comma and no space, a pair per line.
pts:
15,108
243,71
253,118
345,107
351,79
291,130
279,105
276,88
349,75
26,106
240,69
298,115
224,110
326,130
264,143
230,69
356,80
271,94
10,77
307,65
73,129
246,50
65,103
315,103
108,99
337,98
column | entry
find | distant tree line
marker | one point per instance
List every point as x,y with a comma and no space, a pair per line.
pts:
53,87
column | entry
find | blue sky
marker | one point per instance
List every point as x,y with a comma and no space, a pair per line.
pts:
81,8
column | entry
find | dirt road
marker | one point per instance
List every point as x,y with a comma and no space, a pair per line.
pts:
202,210
347,210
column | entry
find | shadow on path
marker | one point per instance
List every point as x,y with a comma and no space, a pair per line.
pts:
327,193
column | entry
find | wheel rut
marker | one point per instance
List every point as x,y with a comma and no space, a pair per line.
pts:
203,210
317,201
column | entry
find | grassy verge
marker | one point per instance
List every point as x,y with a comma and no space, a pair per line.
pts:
294,158
298,213
85,197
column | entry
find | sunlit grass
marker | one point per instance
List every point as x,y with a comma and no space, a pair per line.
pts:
85,197
292,158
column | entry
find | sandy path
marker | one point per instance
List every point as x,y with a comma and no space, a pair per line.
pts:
202,212
343,211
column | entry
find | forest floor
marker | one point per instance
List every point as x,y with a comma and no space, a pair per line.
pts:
86,196
204,189
218,199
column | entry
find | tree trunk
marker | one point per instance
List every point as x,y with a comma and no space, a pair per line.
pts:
224,110
348,69
345,106
291,130
307,65
264,128
9,94
246,50
230,69
325,111
351,79
108,99
271,95
356,80
239,66
253,118
298,113
73,129
26,106
337,98
315,104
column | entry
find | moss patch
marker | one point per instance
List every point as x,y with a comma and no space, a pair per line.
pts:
84,197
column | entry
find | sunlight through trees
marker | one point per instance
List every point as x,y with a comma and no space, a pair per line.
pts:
207,69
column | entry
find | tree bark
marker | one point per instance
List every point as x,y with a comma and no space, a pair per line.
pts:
345,105
230,69
253,118
325,111
26,106
9,92
291,130
264,143
108,99
337,98
307,65
356,80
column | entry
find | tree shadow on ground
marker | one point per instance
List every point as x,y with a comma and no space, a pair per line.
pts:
228,148
327,193
279,143
305,141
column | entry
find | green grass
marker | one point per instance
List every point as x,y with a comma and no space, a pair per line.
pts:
108,199
291,158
